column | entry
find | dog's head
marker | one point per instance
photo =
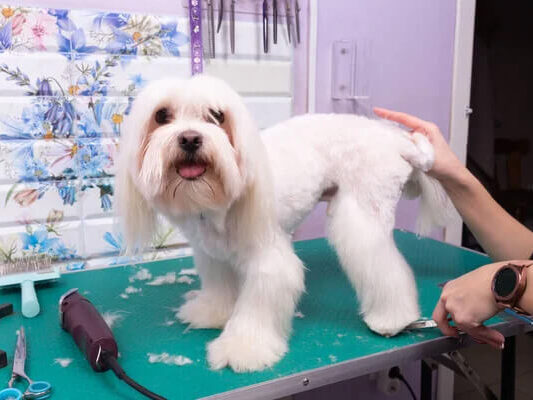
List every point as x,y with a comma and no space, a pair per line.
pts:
188,147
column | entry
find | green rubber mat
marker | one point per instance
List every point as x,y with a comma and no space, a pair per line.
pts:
327,331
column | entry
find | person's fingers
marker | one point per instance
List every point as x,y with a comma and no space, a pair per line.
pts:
487,335
409,121
440,316
478,341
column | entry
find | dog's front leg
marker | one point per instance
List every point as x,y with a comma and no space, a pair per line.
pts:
256,335
212,305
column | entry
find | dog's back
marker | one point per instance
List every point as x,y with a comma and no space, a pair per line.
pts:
314,153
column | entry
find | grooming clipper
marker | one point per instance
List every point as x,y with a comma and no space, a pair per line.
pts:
80,318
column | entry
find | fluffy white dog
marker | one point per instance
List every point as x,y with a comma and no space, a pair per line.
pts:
192,152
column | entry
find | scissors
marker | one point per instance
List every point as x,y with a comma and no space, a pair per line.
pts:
288,16
220,14
36,390
422,323
297,19
265,26
211,27
275,16
232,26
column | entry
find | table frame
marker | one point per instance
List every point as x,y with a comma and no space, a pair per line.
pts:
312,379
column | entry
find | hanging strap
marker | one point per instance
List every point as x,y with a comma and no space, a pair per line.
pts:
197,48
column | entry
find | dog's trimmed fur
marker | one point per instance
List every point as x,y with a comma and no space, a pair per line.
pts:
192,152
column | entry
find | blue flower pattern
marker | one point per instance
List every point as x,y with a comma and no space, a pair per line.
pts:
5,37
40,242
57,136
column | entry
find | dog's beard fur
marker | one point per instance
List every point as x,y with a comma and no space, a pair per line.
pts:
174,195
159,159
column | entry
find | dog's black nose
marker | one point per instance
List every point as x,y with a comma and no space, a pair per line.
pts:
190,141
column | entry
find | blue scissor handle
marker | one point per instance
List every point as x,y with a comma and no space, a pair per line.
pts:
38,390
10,394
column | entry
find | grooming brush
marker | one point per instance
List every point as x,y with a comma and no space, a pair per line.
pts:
25,272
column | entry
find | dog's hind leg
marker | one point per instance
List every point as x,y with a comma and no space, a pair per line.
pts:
212,305
362,235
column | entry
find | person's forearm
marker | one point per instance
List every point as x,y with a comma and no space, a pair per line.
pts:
500,235
526,302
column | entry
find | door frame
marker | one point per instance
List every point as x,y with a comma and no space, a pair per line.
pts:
460,114
312,57
461,85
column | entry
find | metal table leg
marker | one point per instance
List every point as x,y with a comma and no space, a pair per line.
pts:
508,369
426,382
457,363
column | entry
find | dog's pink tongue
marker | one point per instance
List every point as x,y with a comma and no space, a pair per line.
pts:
191,171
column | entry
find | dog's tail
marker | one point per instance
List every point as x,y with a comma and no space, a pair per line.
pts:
436,208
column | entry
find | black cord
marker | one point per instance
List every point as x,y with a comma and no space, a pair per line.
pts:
394,372
121,374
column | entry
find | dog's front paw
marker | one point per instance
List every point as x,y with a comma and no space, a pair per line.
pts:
204,310
392,322
243,354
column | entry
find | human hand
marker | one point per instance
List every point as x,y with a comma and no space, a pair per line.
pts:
469,302
446,166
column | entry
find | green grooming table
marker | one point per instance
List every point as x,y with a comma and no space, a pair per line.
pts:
330,343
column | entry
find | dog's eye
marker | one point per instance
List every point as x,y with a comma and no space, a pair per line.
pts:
162,116
216,116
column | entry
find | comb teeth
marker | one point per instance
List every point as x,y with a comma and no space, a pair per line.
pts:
34,263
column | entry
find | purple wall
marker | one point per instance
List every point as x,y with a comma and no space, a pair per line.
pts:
411,45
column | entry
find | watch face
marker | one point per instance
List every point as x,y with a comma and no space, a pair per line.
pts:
505,282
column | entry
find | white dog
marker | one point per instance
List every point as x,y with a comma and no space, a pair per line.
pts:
192,152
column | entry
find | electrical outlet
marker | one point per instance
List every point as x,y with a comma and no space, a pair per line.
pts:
387,385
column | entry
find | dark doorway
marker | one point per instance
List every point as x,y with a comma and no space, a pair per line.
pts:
500,138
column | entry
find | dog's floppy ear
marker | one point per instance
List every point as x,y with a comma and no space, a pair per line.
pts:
256,209
136,218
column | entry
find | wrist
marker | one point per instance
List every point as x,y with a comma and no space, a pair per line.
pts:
459,181
509,284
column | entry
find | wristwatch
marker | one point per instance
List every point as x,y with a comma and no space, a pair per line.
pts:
509,284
